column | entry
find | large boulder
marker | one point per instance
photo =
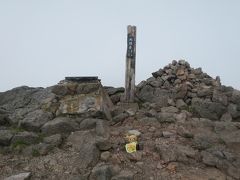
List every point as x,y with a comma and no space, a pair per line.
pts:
23,100
231,139
102,136
59,125
85,143
165,117
102,172
235,97
102,131
5,137
16,98
4,119
25,137
24,96
208,109
33,121
223,160
124,175
234,110
54,140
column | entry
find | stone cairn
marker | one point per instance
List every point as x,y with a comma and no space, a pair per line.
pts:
182,86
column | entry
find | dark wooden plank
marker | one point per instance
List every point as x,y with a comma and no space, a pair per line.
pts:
82,78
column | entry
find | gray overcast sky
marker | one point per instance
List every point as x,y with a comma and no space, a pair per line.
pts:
42,41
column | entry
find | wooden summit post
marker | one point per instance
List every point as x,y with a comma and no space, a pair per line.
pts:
130,64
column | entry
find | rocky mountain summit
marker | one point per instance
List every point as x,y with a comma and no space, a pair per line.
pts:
188,127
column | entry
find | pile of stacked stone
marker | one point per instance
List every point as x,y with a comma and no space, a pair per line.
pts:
180,85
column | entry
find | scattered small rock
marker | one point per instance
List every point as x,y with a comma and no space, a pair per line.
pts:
167,134
105,156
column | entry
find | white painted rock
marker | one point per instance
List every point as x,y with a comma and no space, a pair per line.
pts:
21,176
134,132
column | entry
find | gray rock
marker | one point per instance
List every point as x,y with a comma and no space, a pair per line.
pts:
105,156
170,109
151,94
182,62
205,91
136,156
184,132
148,120
24,100
181,91
120,117
180,104
54,140
220,160
176,152
177,82
219,97
85,143
168,153
197,71
102,136
205,140
222,127
181,117
60,90
226,117
156,83
146,94
111,90
42,97
174,62
124,175
116,98
232,140
235,97
59,125
5,137
166,117
209,159
208,109
171,102
37,149
158,73
101,172
17,97
88,123
191,76
233,110
86,88
25,137
167,134
21,176
4,119
34,120
130,108
191,94
185,152
134,132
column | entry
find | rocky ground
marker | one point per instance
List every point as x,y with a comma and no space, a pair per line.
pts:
189,126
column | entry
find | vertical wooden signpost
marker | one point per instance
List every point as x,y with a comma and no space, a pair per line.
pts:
130,64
